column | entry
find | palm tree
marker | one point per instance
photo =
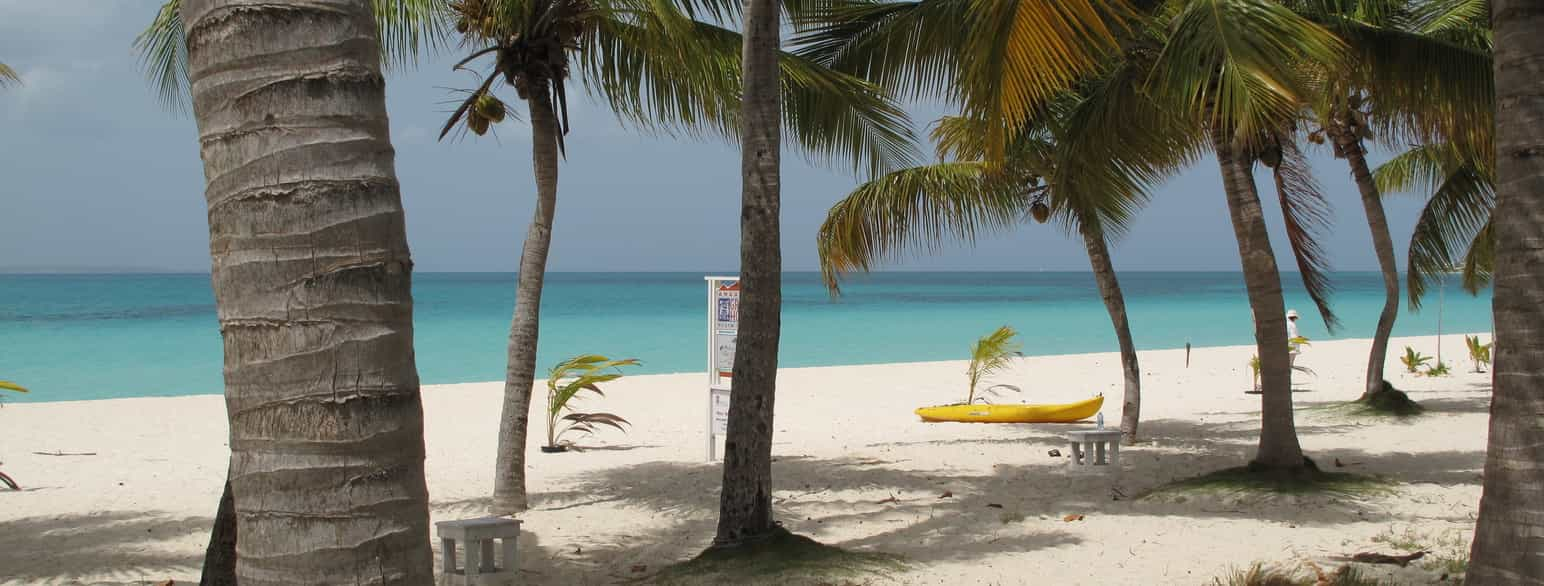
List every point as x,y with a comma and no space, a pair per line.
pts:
745,503
1399,52
658,68
1077,163
654,64
1506,538
8,76
311,275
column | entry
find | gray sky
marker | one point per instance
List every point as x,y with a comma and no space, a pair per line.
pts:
95,175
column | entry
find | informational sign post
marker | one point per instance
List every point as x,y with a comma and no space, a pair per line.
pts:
723,326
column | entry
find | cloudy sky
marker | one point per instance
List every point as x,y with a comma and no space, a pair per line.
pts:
95,175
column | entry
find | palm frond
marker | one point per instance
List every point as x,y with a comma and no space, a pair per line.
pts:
669,80
1234,63
1307,216
1446,228
998,60
1420,169
991,354
409,29
1461,22
1421,89
163,56
917,208
8,76
1480,261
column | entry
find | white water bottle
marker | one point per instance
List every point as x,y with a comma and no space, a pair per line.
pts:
1099,421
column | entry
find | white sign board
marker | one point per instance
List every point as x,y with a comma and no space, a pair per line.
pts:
718,400
723,327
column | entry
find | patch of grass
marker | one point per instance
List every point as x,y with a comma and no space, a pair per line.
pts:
783,558
1249,479
1262,575
1446,553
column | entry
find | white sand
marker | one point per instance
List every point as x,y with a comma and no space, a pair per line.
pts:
140,508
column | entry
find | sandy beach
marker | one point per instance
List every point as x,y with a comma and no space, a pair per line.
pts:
965,504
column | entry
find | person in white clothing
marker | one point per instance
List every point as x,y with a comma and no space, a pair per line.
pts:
1292,346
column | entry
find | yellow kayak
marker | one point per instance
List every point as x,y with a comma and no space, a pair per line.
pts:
1064,413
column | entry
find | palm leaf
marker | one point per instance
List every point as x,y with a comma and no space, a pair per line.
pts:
991,354
1234,64
998,60
667,78
1480,261
1446,228
8,76
1307,216
919,208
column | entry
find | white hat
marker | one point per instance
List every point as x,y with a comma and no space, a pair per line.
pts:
1291,313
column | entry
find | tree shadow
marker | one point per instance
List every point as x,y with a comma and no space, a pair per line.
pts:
118,546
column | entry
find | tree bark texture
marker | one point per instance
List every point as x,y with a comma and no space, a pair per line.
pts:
509,495
745,505
1348,145
312,283
1279,448
1115,304
1509,539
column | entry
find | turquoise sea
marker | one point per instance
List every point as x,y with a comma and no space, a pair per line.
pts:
74,337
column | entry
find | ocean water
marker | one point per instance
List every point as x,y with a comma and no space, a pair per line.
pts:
74,337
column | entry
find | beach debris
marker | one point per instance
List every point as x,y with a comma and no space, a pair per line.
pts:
639,568
1054,453
1368,557
890,501
1072,517
994,505
59,453
947,494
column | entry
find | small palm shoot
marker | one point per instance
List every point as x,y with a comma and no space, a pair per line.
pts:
1479,353
992,354
565,382
1254,366
1413,360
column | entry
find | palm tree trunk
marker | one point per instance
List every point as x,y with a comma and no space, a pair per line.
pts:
1509,539
745,504
220,556
1349,146
1115,304
312,283
1279,449
509,475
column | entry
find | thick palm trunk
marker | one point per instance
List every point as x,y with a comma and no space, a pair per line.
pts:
1349,146
1115,304
745,505
220,556
312,284
1279,448
509,476
1509,539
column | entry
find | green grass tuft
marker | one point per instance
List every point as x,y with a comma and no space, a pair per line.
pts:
1261,575
1445,553
783,558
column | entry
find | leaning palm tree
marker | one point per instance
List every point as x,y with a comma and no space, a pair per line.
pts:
1079,165
312,281
658,68
1506,539
1407,80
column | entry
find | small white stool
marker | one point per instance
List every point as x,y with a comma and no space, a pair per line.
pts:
1088,447
478,535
